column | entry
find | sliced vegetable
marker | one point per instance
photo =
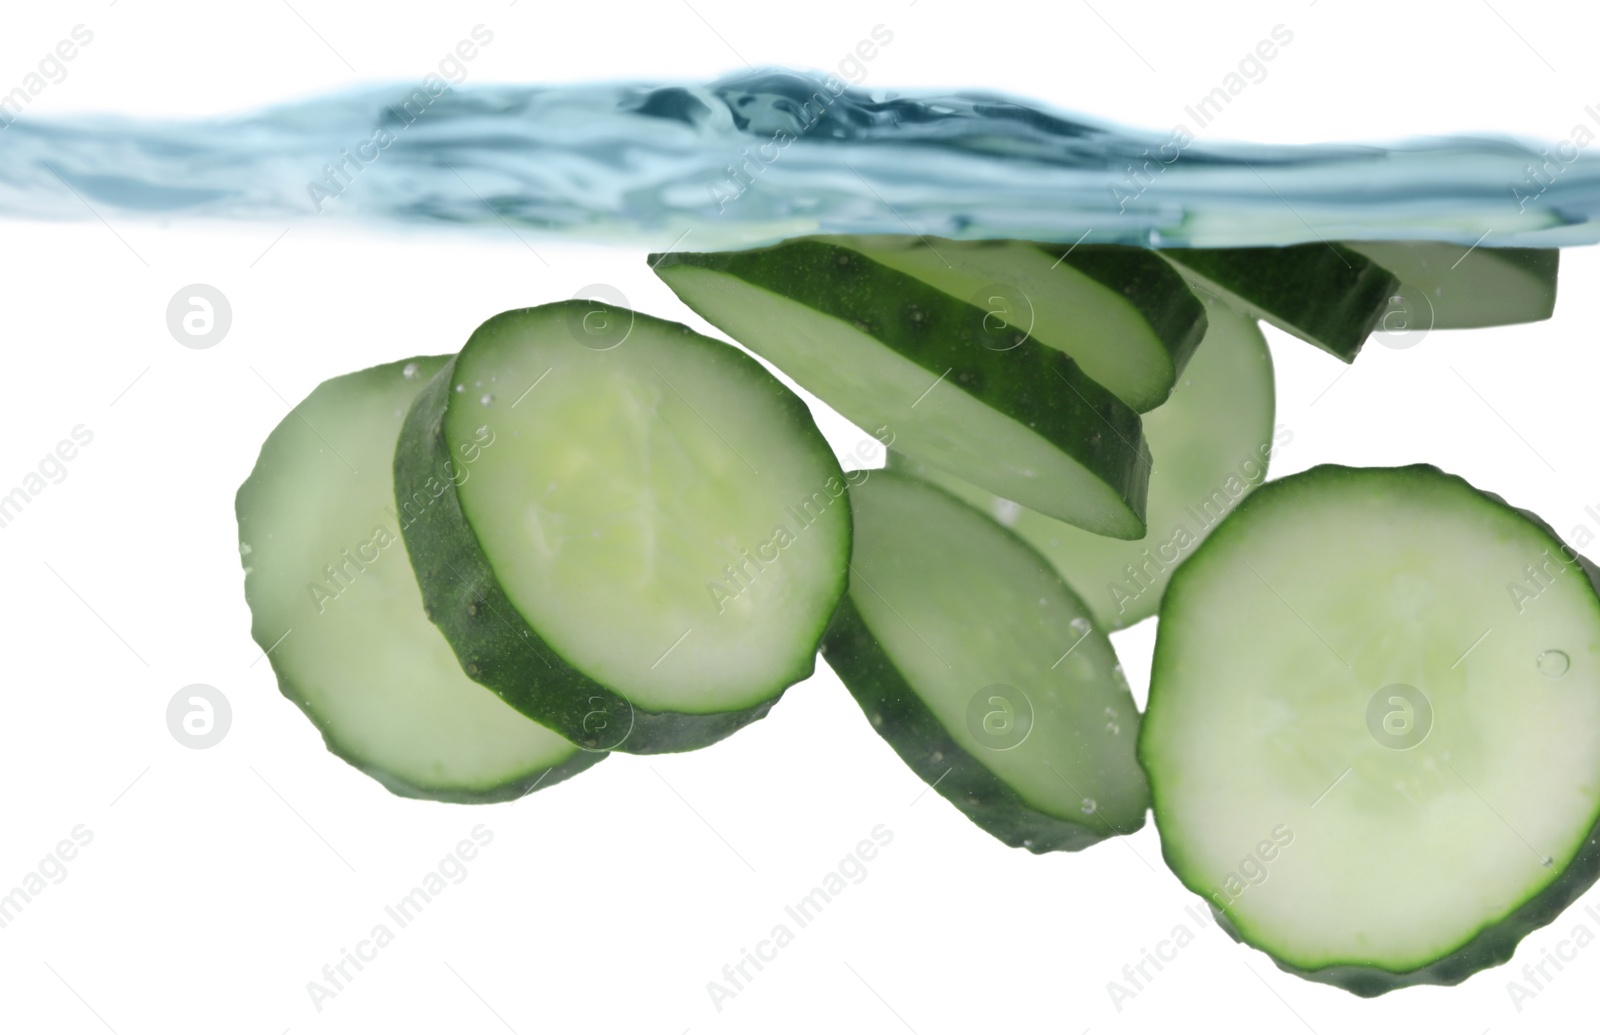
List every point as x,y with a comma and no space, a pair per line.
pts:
1123,315
1371,730
1325,293
631,532
1452,286
336,608
982,670
948,383
1210,443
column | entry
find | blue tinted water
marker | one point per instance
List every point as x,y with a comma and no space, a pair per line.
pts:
765,155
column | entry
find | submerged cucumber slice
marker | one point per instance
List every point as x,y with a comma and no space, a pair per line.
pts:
950,385
980,667
1210,443
335,606
633,533
1450,286
1324,293
1122,314
1371,736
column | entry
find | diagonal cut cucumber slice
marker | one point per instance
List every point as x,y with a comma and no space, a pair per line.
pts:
951,386
336,607
1323,293
1448,286
1210,442
980,667
1371,737
635,534
1122,314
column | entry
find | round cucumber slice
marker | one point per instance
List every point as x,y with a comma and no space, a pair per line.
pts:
1210,443
982,670
952,385
336,608
635,534
1372,731
1122,313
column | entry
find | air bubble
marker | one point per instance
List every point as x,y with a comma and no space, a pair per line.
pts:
486,399
1111,713
1113,729
409,371
1080,625
460,389
244,549
937,756
1088,807
1554,663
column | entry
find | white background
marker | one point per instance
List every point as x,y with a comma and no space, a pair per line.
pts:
219,882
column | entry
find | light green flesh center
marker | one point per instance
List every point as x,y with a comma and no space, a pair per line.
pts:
1026,287
924,414
652,512
1210,442
1448,286
355,643
1388,850
964,612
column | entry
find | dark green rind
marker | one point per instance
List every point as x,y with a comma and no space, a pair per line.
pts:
1325,294
501,792
494,643
1496,941
941,333
900,717
1151,285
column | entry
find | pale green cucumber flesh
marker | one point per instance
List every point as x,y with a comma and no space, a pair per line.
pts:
650,529
1448,286
1210,443
1122,314
1323,293
981,668
1370,735
336,607
931,372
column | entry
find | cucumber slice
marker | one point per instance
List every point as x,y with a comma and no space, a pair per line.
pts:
1211,442
1453,287
1123,315
934,372
1371,736
631,532
1324,293
336,608
980,667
